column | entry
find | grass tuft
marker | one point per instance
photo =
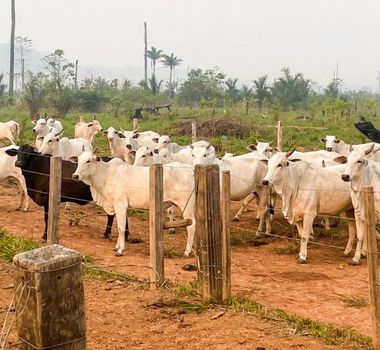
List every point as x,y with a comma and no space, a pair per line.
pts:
353,300
94,272
141,214
181,290
289,249
11,246
172,252
245,239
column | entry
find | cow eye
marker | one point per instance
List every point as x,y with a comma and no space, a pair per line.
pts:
204,155
49,141
279,166
143,156
360,161
88,162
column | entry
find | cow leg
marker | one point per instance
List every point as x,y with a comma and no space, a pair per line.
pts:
121,217
170,212
305,230
351,234
359,243
107,232
46,218
247,200
188,213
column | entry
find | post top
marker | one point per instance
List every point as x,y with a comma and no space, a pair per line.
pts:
48,258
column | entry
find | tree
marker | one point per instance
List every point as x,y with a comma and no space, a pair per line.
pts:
232,90
262,90
246,93
154,56
332,90
12,47
171,62
35,91
153,85
290,91
24,44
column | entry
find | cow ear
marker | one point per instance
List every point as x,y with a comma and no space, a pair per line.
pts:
98,159
251,148
121,135
57,138
136,135
155,139
340,159
90,124
337,140
322,139
12,152
33,122
264,161
73,159
132,153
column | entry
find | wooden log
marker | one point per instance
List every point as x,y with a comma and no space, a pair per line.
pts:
50,309
279,135
226,238
156,226
373,277
55,179
208,231
177,223
135,124
193,131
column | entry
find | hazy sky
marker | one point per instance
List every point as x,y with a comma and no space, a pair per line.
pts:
246,38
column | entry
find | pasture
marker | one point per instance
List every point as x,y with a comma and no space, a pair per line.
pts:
276,303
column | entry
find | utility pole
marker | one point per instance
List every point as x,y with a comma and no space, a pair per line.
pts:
12,48
76,76
145,54
378,80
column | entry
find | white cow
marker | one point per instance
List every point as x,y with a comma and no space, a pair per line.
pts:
308,191
117,143
43,126
262,149
65,147
117,186
87,130
10,130
8,168
362,172
164,141
135,140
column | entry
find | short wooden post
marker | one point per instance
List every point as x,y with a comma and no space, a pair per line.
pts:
49,294
226,239
55,179
156,226
373,277
135,124
193,131
208,231
279,135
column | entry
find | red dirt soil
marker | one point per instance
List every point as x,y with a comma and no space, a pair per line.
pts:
260,273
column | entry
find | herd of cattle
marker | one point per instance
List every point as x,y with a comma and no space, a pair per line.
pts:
317,183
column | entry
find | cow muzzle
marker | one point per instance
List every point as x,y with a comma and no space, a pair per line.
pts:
265,182
129,147
75,177
346,177
156,151
329,149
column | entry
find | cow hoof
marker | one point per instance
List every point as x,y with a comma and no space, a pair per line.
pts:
363,256
134,240
346,253
235,218
105,236
301,261
42,240
171,231
186,254
115,249
354,263
258,234
118,254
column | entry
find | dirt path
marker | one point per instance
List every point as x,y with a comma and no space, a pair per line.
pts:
260,273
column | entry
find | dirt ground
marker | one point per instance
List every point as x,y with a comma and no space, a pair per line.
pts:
260,273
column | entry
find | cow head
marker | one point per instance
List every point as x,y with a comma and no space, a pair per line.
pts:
330,143
24,155
49,144
86,166
94,126
356,163
144,156
203,155
277,165
41,127
162,142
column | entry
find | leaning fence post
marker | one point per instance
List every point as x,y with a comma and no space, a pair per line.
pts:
226,240
373,278
156,225
279,135
49,294
55,179
193,131
208,231
135,124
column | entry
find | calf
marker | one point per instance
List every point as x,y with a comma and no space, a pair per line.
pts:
117,143
43,126
36,169
10,130
87,130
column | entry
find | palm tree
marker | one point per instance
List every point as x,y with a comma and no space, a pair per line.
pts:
171,62
246,93
154,55
261,90
232,90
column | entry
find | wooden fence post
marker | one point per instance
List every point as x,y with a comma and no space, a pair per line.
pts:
279,135
156,225
49,290
193,131
226,239
135,124
373,278
208,231
55,179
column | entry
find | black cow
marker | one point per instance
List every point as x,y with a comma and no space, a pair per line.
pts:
367,128
36,169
